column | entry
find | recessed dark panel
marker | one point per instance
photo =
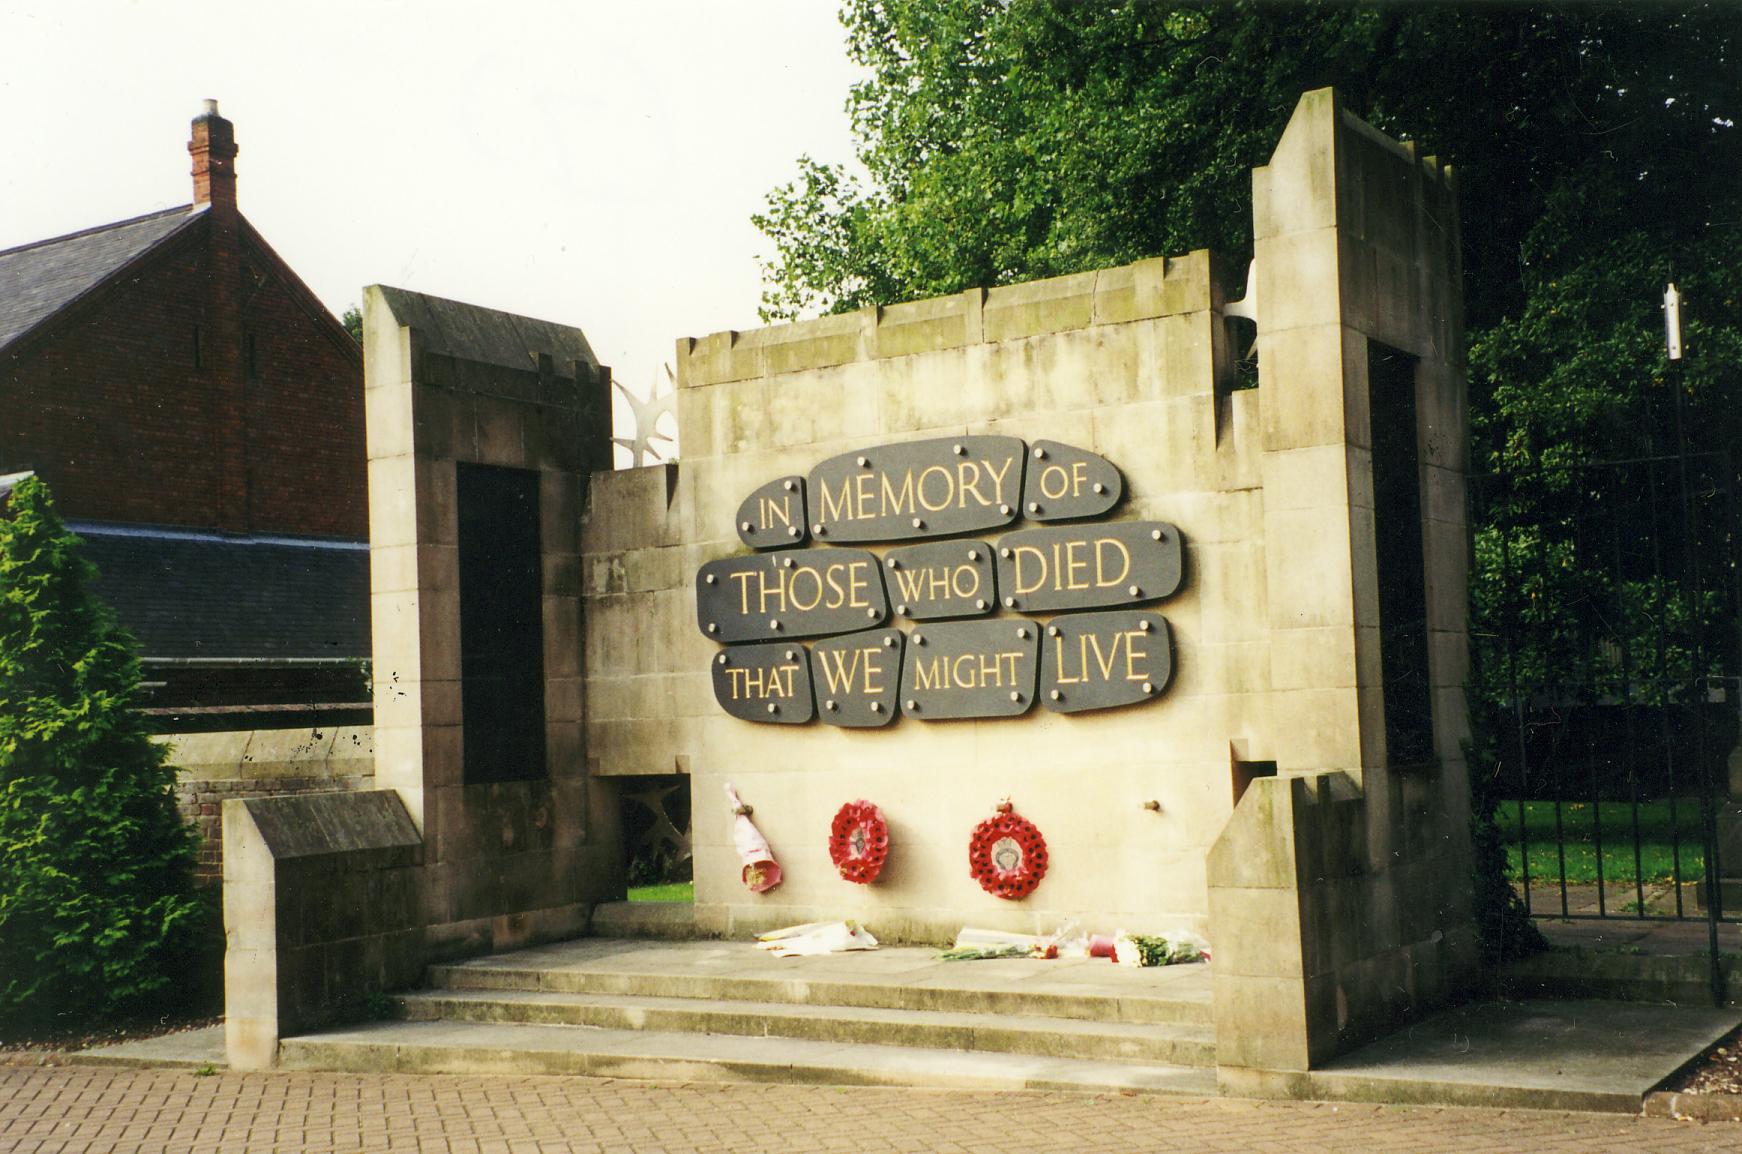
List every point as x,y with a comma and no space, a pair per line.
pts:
1102,660
770,683
791,593
501,624
774,515
941,579
915,490
1063,482
1088,566
970,669
857,678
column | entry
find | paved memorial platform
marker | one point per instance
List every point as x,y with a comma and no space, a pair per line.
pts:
729,1012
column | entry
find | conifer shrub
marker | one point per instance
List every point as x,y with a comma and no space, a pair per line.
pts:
98,912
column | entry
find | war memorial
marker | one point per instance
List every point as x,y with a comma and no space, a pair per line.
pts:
1097,627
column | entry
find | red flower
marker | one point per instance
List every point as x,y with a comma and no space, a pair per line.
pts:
1019,880
859,841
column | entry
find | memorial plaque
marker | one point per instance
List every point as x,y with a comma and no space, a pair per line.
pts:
791,593
940,579
916,490
1100,660
774,515
769,683
858,677
1088,566
1063,482
970,669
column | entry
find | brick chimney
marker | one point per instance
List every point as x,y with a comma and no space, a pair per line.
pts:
213,148
214,151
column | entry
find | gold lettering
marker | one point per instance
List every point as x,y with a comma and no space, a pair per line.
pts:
774,676
1072,565
1101,578
995,671
770,511
743,580
932,676
999,477
840,678
940,584
968,481
871,667
856,583
859,483
833,507
753,683
893,501
779,591
949,488
792,588
1064,482
1011,657
1079,474
956,581
1038,556
732,676
840,594
1058,574
956,671
1132,653
910,582
1106,664
1059,653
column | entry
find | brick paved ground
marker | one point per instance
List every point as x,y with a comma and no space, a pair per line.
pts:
46,1111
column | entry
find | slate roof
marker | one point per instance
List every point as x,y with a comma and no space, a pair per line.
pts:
191,593
40,279
488,336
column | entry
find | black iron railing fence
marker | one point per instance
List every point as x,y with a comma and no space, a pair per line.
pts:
1607,678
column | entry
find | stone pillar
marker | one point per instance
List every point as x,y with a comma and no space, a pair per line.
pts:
1339,902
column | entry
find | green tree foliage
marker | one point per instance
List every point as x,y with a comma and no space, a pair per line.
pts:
353,322
97,908
1595,144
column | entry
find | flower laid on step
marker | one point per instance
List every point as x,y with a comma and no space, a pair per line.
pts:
859,841
1157,950
1007,855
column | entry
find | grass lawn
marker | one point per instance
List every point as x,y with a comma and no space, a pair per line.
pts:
1579,828
676,892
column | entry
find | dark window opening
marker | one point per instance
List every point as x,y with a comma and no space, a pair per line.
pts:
501,624
1403,640
1246,772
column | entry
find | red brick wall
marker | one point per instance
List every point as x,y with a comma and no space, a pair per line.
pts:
111,410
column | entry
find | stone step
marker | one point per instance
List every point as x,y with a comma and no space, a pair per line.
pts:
1171,1043
901,978
517,1049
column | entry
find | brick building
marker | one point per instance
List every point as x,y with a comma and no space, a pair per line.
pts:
198,415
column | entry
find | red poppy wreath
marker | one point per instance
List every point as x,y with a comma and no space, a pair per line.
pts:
1007,855
859,841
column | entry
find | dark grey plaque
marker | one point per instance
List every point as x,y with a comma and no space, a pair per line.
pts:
792,593
858,677
941,579
1100,660
774,515
1088,566
970,669
769,683
916,490
1063,482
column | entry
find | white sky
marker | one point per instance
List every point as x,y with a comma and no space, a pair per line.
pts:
589,162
